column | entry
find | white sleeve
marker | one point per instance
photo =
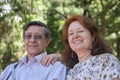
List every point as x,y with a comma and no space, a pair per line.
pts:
57,72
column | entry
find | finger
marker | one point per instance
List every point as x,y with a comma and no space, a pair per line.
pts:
49,61
53,61
44,61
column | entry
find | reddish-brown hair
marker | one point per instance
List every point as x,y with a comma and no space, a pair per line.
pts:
99,45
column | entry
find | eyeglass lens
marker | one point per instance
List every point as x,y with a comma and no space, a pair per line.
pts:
36,36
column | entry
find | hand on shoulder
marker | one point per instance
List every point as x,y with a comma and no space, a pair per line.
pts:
50,59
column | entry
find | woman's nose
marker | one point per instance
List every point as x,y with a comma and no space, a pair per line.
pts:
76,35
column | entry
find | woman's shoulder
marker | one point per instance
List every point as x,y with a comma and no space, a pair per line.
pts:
107,56
103,59
107,59
110,65
100,60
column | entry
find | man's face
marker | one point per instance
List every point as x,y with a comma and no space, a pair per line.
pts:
35,41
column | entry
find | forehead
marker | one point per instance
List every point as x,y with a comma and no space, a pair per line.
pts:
75,25
35,29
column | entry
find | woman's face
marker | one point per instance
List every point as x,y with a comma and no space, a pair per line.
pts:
35,41
79,37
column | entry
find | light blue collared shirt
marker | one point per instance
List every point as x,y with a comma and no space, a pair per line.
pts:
33,70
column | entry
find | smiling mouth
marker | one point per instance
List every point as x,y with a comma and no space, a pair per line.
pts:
77,42
32,46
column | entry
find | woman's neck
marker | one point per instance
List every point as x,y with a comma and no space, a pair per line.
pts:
84,56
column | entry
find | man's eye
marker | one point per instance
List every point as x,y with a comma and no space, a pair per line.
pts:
38,37
27,36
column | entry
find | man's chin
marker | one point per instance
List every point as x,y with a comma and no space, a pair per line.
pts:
32,52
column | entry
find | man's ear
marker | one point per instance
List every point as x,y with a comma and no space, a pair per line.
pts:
48,41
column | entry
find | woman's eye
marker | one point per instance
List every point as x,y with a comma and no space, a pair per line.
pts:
71,34
80,31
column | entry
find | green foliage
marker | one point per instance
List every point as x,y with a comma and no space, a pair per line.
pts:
106,13
10,30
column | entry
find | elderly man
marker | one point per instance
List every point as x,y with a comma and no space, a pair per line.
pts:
36,37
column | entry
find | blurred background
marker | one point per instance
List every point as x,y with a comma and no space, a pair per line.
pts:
15,13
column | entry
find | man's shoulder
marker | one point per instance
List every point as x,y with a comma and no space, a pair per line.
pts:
58,67
59,64
10,65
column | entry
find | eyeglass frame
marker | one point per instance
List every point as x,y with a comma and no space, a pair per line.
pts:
35,37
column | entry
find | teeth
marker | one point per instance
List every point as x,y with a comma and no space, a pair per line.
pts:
77,42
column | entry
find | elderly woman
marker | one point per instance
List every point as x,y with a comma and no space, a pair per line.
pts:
86,53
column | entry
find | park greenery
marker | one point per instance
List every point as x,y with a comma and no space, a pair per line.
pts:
15,13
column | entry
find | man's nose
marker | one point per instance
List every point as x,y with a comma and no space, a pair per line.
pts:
32,39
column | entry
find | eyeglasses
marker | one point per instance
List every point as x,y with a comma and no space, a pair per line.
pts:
36,37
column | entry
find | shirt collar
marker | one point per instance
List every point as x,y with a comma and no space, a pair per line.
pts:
38,58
